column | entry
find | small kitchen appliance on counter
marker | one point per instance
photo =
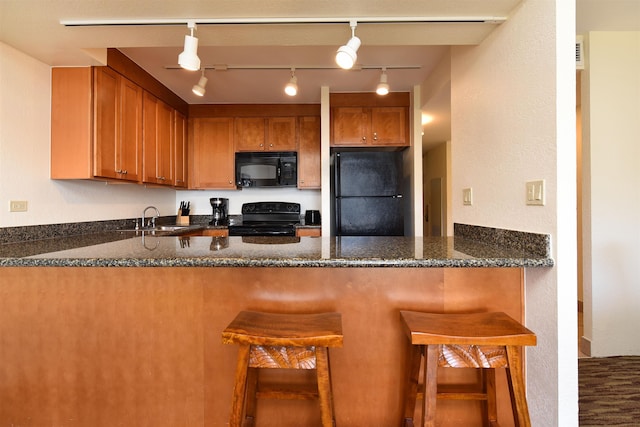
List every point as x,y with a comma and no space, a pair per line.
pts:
220,211
312,217
267,219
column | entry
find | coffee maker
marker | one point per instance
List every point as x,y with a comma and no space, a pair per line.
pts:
220,211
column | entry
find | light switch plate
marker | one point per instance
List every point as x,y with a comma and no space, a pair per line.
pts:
467,197
18,206
535,193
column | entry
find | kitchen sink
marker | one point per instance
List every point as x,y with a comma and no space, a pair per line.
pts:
170,227
163,228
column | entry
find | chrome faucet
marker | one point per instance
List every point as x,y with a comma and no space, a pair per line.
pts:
152,221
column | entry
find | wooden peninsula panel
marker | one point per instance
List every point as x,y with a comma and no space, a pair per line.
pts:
142,345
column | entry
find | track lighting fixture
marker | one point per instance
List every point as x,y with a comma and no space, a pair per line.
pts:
383,87
188,59
291,88
347,54
199,88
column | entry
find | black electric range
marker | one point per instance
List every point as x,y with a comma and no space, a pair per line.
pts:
267,219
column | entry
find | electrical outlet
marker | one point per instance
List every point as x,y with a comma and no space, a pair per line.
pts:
535,192
18,206
467,197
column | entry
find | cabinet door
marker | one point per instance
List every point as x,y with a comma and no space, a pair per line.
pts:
308,232
106,121
349,126
212,156
164,148
309,152
250,133
215,232
180,149
118,126
282,134
129,150
157,141
389,126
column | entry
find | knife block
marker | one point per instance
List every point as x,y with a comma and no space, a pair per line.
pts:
182,219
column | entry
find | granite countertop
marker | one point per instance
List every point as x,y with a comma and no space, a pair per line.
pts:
120,249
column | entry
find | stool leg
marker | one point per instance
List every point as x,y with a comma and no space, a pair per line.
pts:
489,388
430,386
516,387
251,393
240,386
411,383
324,386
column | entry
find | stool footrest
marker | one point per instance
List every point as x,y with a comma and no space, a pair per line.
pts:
462,396
290,392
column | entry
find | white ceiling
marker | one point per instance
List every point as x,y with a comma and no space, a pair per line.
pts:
34,27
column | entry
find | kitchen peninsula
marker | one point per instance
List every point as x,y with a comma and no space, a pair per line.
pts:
130,333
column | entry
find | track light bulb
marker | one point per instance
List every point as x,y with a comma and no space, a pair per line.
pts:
199,89
347,54
383,87
188,59
291,88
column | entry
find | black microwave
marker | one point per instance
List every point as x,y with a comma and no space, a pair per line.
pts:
267,169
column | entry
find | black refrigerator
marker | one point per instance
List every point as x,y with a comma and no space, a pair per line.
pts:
367,197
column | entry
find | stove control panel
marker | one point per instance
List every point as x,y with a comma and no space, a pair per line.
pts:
271,208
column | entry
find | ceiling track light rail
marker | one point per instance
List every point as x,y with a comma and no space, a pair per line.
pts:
223,67
276,21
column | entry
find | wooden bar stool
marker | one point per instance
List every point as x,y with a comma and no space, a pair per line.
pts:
479,340
292,341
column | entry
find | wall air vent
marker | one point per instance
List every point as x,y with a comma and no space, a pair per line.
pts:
579,53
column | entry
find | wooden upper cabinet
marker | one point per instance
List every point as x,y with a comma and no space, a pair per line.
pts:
265,134
389,126
211,154
309,175
117,138
282,134
180,149
158,140
369,126
107,127
250,133
96,126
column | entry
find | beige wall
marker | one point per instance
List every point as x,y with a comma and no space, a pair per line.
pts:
25,85
611,131
513,120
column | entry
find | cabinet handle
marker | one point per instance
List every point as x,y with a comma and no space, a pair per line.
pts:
375,136
261,145
124,172
118,171
270,145
364,138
